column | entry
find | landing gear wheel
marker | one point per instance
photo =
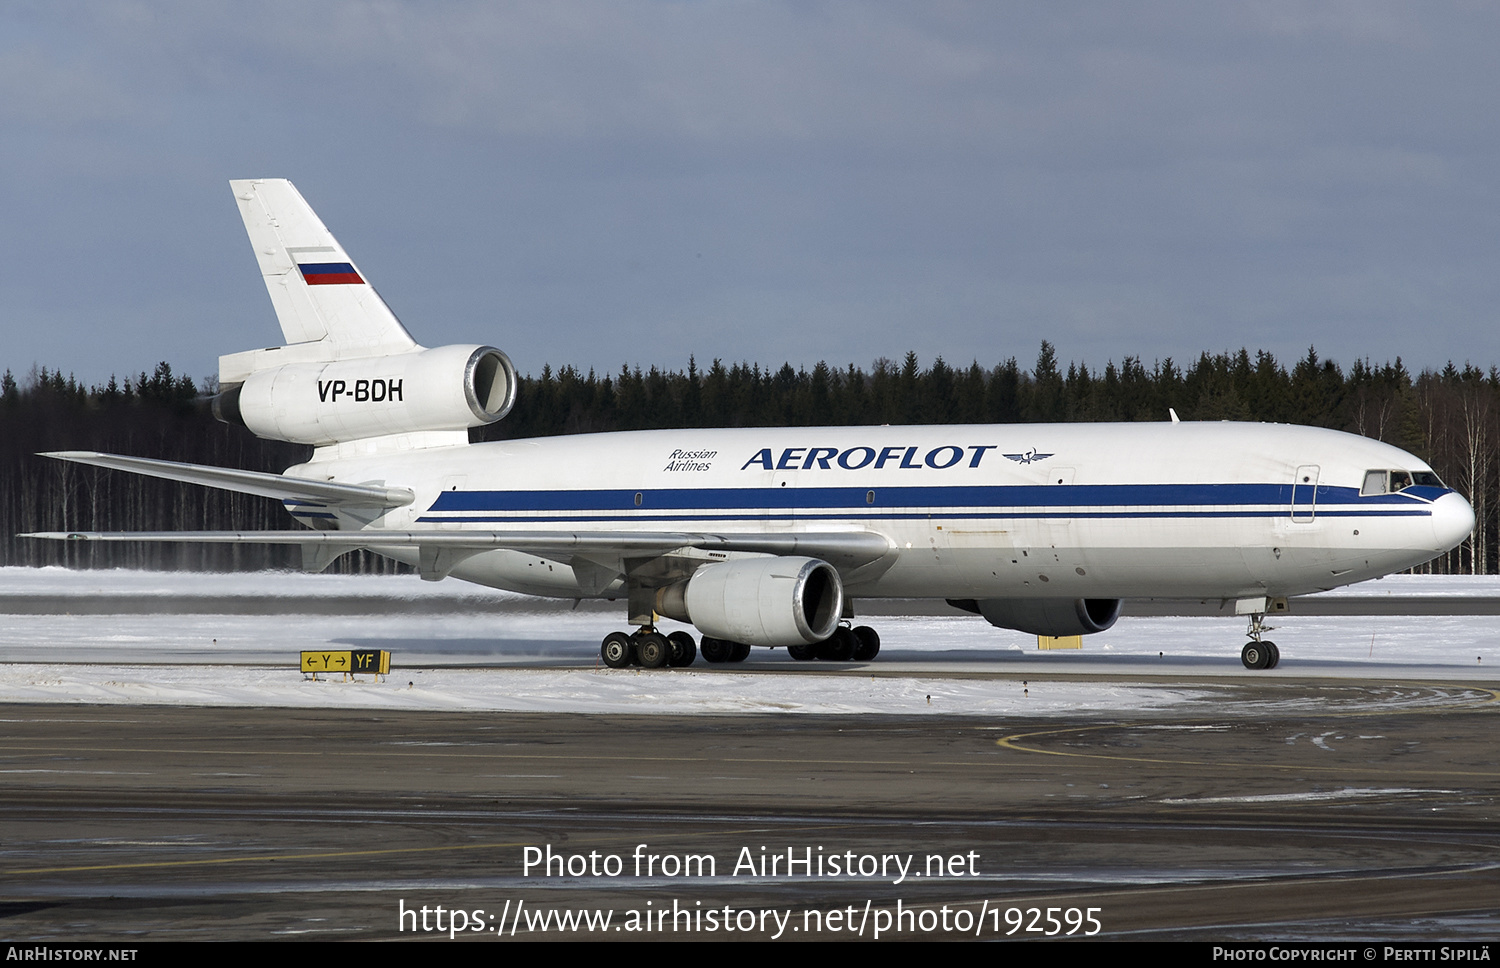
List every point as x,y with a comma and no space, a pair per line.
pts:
741,652
715,650
869,643
802,652
652,649
1256,655
1259,653
684,649
840,646
616,650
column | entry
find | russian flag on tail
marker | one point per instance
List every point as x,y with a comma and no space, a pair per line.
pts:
330,274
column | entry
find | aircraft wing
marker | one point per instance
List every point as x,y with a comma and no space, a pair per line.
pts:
597,557
440,551
247,482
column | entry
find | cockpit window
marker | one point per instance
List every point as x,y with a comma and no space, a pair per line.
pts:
1391,481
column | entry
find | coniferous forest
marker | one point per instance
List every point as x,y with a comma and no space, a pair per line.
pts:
1450,418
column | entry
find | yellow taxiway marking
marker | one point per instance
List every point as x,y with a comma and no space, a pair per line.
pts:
574,842
1014,742
205,862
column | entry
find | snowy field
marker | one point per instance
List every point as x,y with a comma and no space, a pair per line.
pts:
235,639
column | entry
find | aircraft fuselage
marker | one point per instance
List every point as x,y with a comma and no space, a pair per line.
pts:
1129,510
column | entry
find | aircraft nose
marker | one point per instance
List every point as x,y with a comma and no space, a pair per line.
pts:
1452,521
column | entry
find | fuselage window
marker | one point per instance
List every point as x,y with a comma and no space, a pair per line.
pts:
1375,483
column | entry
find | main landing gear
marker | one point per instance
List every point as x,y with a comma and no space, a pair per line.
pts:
650,649
1259,653
723,650
859,644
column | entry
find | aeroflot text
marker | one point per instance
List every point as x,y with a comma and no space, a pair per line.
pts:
855,458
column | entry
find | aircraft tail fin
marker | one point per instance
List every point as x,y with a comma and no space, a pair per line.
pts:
349,372
320,296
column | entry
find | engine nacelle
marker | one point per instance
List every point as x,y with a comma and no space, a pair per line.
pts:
447,388
759,601
1049,616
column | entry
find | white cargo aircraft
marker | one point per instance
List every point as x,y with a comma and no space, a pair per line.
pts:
768,536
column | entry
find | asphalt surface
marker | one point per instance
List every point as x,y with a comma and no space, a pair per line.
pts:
1288,809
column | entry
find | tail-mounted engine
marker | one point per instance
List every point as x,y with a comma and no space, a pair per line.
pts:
447,388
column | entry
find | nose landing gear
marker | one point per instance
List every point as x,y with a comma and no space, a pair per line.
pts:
1259,653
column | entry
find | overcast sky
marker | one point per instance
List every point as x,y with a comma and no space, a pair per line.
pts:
608,183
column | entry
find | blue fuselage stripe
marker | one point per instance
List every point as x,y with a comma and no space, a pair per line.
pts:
1082,500
945,515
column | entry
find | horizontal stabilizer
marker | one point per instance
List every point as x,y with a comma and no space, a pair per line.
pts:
248,482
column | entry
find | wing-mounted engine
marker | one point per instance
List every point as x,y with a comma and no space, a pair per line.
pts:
1046,616
759,601
447,388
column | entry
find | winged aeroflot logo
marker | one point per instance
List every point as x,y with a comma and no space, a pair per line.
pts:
1030,457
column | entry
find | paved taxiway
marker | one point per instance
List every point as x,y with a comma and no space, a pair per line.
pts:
1298,809
1350,794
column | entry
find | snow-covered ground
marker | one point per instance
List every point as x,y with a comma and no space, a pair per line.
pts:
458,646
65,581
